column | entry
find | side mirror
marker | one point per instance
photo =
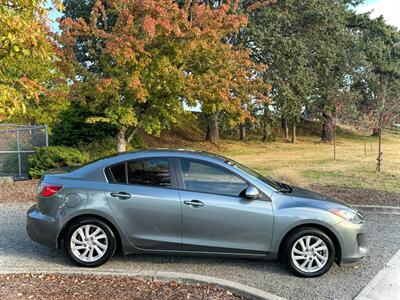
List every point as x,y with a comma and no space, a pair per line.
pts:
252,193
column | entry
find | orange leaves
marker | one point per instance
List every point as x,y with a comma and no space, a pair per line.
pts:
217,22
143,58
149,26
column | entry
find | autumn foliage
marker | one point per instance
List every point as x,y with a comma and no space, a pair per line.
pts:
146,58
24,49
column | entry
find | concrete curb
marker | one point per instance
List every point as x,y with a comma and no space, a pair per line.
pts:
395,210
385,284
188,278
241,289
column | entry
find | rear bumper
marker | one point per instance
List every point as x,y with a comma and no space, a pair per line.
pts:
41,228
353,241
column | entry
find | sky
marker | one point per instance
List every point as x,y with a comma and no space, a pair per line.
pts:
390,9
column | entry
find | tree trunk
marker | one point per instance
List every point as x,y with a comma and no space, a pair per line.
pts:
121,140
327,128
265,132
213,130
242,129
208,131
285,126
294,138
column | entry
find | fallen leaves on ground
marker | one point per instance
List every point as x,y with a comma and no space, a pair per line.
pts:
19,192
57,286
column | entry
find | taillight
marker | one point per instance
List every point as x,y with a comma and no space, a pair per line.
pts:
48,190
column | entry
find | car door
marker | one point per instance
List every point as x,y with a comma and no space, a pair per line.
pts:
216,217
142,196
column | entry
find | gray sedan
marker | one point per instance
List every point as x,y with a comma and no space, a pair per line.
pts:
192,203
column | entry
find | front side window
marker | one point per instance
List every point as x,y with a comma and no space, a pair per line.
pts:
149,171
203,177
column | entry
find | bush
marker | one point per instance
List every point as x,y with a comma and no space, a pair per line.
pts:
72,128
46,158
98,149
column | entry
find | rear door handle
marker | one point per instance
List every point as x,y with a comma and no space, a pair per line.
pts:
121,195
195,203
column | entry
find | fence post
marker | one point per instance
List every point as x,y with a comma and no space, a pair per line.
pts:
46,130
19,156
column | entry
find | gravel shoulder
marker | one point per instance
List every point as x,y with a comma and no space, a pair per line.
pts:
19,253
55,286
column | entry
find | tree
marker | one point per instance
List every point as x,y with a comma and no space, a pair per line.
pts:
24,49
221,75
379,82
278,34
335,59
145,58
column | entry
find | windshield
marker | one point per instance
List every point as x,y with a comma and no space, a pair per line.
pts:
254,174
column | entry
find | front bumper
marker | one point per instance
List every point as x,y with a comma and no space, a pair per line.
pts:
353,241
41,228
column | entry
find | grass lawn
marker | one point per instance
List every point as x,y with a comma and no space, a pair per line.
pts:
308,161
311,162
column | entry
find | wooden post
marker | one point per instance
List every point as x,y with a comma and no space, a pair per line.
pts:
365,144
334,140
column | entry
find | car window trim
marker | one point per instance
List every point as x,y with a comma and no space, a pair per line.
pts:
181,185
171,167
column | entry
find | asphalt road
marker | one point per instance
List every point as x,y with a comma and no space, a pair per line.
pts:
18,252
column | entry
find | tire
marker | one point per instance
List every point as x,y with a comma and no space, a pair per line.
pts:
311,260
90,248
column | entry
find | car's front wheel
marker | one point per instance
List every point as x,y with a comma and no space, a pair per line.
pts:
309,252
90,242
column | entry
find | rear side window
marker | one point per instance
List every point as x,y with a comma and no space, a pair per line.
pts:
154,172
150,171
117,174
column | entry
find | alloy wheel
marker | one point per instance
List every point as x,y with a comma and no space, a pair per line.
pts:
89,243
309,254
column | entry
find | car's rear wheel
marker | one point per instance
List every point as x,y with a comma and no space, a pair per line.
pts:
309,252
90,242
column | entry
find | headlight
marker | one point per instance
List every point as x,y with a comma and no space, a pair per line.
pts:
348,214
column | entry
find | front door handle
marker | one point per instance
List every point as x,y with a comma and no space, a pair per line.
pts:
194,203
121,195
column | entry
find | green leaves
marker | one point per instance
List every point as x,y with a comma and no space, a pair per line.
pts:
46,158
24,48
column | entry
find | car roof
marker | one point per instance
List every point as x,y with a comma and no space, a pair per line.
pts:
90,170
171,152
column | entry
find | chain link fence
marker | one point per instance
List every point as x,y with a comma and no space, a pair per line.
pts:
17,142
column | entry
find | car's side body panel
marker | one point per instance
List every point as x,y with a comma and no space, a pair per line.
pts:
226,224
151,217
